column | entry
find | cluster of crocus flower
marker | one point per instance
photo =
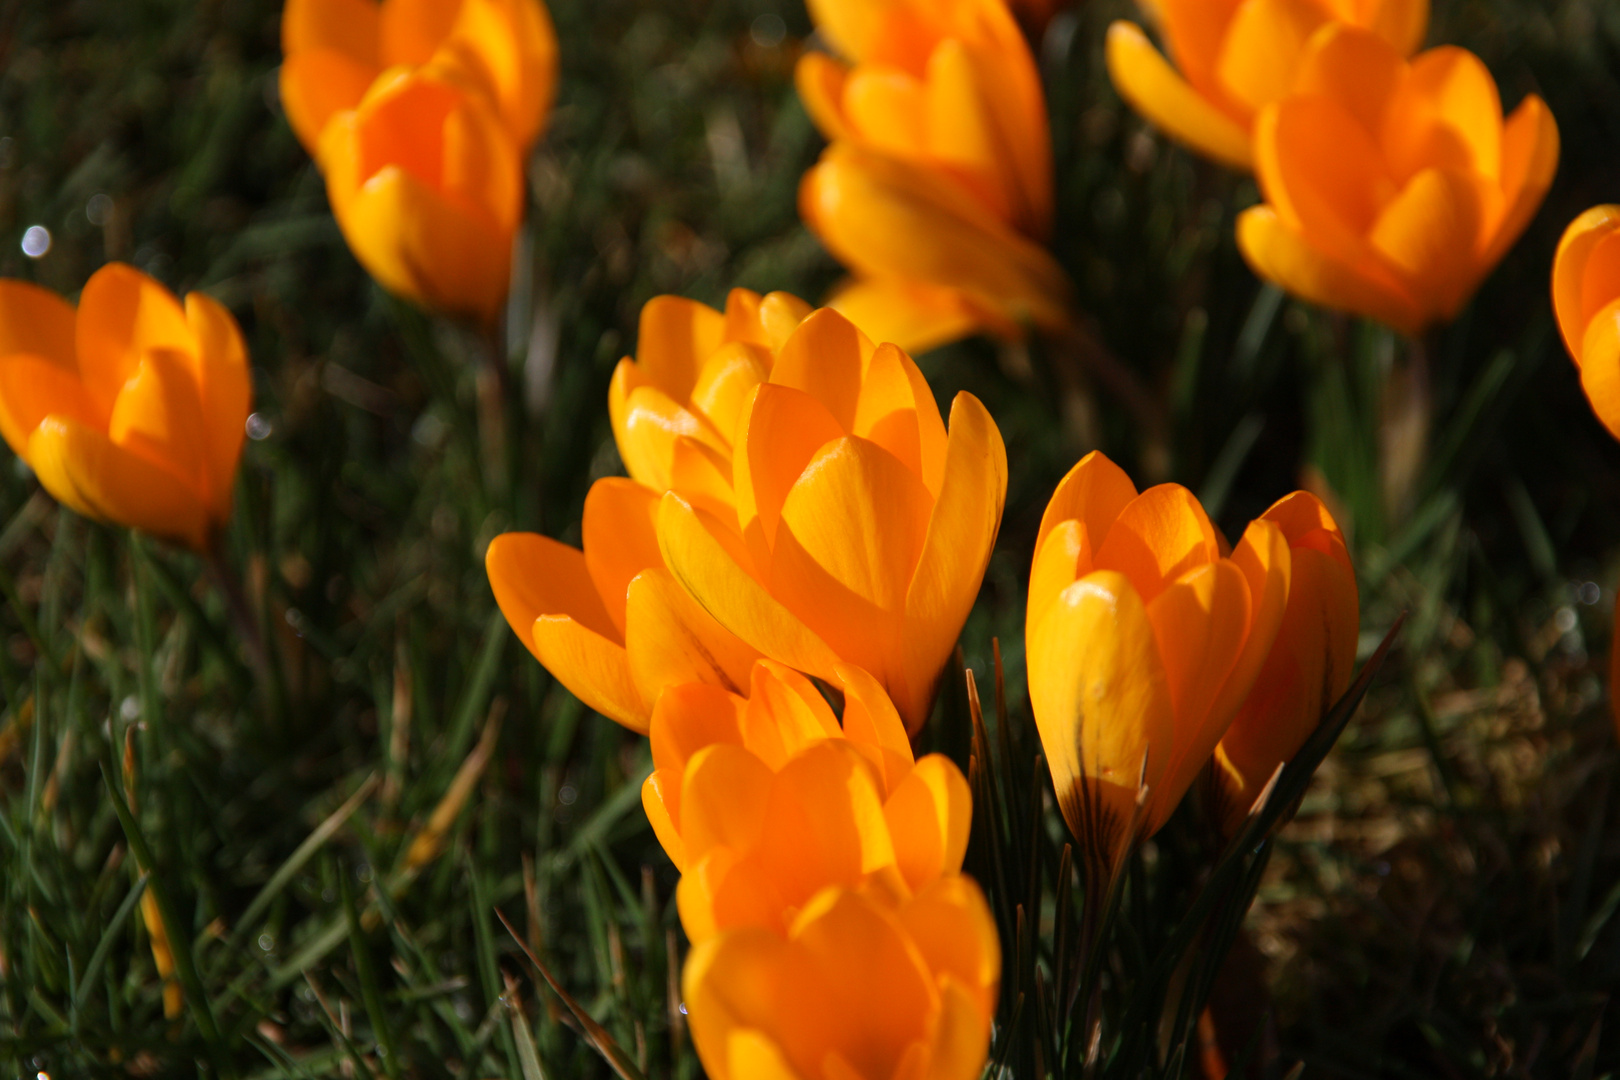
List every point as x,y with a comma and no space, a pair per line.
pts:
1391,186
796,509
130,409
937,189
1157,653
419,116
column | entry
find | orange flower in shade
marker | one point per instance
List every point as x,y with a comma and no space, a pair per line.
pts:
937,190
1393,188
862,529
1143,639
1309,666
130,410
334,50
763,801
427,186
1235,58
863,985
1586,297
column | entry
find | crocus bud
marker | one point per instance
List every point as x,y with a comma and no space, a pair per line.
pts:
130,410
1143,639
1235,58
1392,188
1586,297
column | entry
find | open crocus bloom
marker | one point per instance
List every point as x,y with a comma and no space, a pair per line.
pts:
763,801
1142,641
937,191
609,621
1235,58
863,985
676,406
427,186
130,410
862,529
1393,188
1586,296
1309,665
505,50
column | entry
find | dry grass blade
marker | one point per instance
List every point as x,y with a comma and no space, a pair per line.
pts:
429,841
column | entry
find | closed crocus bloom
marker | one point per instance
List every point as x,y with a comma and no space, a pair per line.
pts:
762,801
609,621
1309,666
1142,641
1235,58
937,191
1586,297
427,185
1393,188
863,985
676,406
505,50
862,529
130,410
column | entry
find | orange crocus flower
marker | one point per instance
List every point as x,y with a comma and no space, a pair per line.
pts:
334,50
1309,666
1143,639
1235,58
427,186
937,191
609,621
763,801
862,529
1392,188
1586,298
132,409
862,983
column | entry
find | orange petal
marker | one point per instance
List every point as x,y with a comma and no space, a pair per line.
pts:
914,315
896,409
851,531
509,48
592,667
1530,148
963,135
1447,114
781,431
887,109
1431,234
1194,30
1094,493
1402,23
928,816
1062,557
1358,71
785,714
724,383
705,561
1147,81
1101,700
961,1035
870,719
724,796
1576,281
961,532
36,320
660,799
702,475
825,823
86,471
123,312
1600,367
350,27
1280,255
410,30
1158,537
1263,556
618,529
731,984
951,925
317,85
689,717
671,640
1262,49
159,416
675,338
32,388
826,357
820,81
225,388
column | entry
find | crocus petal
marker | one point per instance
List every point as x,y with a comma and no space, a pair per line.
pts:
961,1037
410,31
887,109
723,387
963,134
509,50
820,81
32,388
619,539
671,640
1283,257
785,714
1358,71
896,409
731,984
708,568
914,315
1147,81
674,339
122,313
689,717
1575,285
225,389
781,431
86,471
826,357
1101,700
533,575
1160,535
318,84
1530,147
1600,366
36,320
928,816
159,416
825,823
951,925
961,533
1062,557
1431,233
1446,114
350,27
1262,49
870,719
660,800
1094,492
724,799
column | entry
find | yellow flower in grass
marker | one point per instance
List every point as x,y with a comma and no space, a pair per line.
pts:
937,190
1143,638
1393,188
763,801
130,409
1235,57
1309,666
862,527
863,984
